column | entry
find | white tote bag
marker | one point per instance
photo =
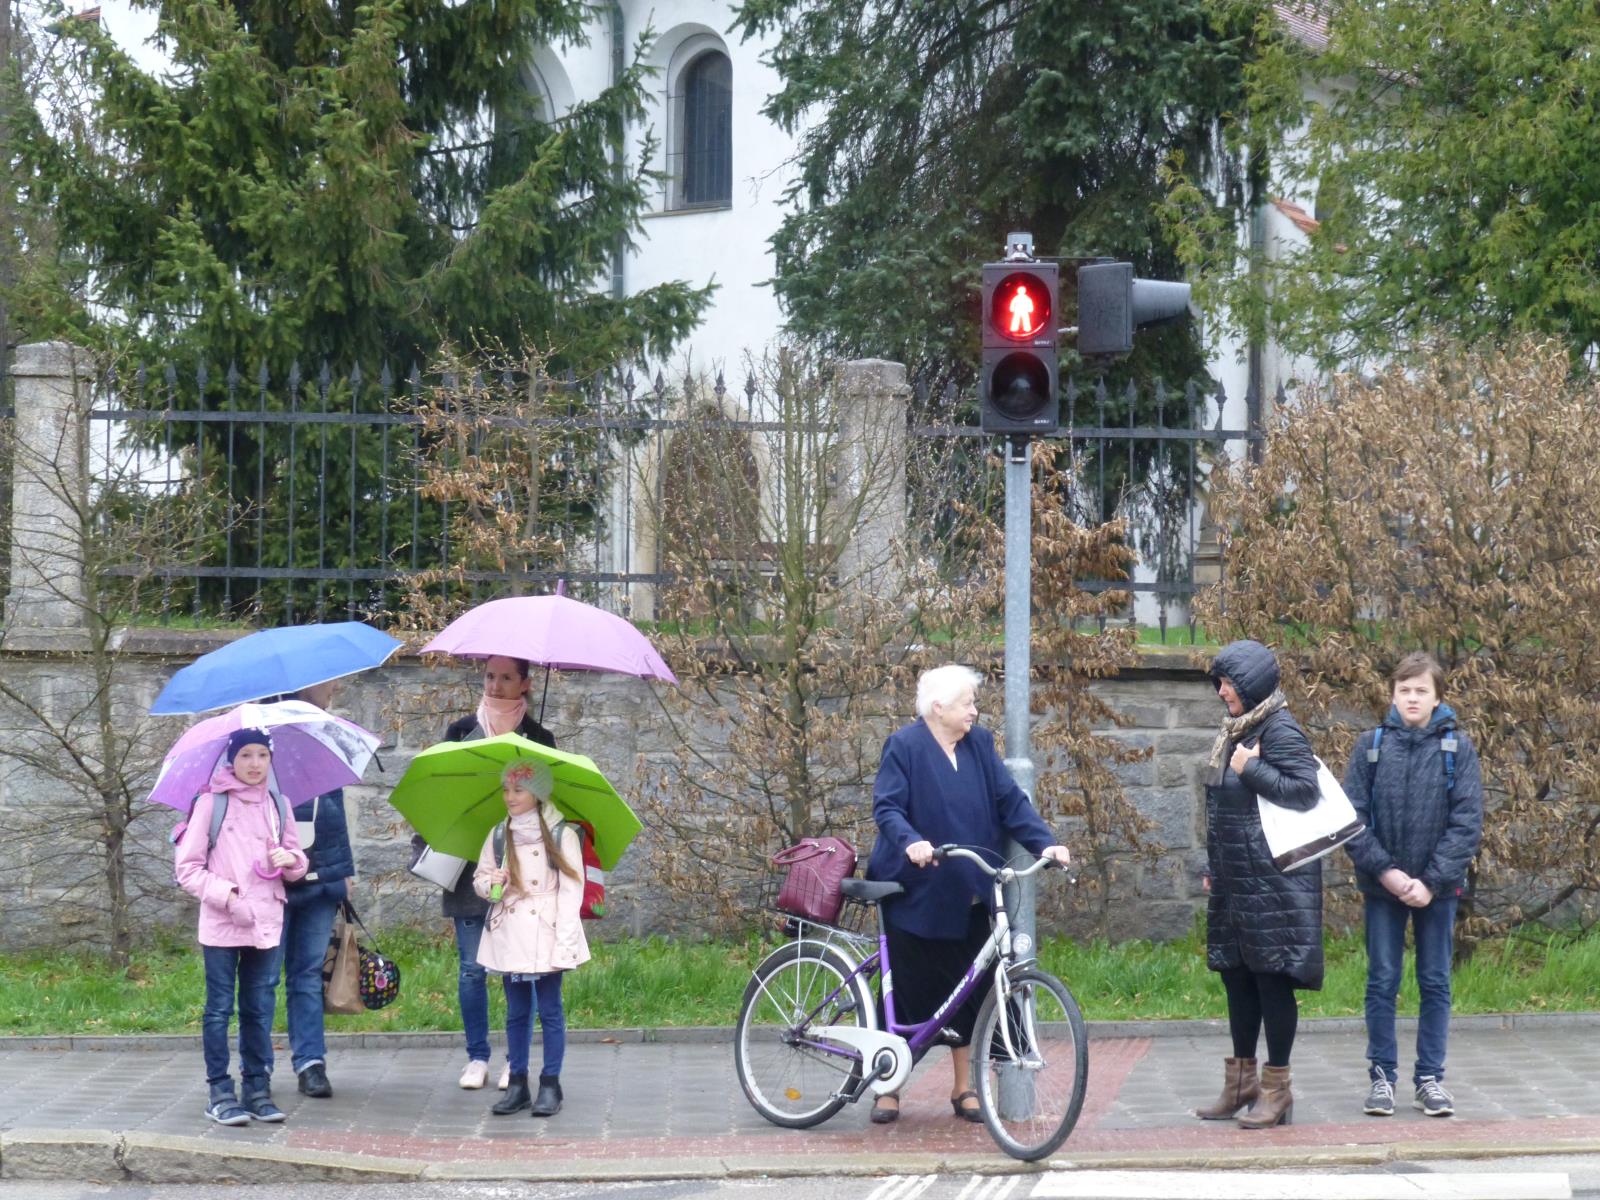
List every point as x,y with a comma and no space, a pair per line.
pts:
1297,838
441,869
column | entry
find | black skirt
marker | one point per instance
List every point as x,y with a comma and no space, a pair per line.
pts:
926,970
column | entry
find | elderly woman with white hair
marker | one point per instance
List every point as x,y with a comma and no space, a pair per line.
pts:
941,781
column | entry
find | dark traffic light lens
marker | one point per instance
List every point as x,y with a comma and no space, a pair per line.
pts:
1020,309
1020,386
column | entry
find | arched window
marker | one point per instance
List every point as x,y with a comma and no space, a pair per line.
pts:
704,133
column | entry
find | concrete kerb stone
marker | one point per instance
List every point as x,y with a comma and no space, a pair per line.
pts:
86,1155
170,1159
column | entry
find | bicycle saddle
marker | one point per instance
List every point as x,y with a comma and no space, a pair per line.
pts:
869,889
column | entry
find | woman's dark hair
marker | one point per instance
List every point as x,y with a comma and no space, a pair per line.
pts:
1417,663
522,663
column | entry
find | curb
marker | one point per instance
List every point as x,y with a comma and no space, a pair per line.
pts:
720,1034
97,1156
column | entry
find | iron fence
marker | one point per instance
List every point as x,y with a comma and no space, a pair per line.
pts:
320,495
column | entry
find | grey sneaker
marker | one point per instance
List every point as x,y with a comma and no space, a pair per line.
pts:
1380,1098
1431,1099
225,1110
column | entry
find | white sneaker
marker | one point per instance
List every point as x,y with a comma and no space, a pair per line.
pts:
505,1077
475,1075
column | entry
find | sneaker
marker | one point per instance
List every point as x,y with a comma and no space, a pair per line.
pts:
1380,1099
505,1078
1432,1099
475,1075
261,1108
228,1111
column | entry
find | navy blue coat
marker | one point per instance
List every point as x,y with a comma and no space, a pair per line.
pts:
1411,823
331,859
1257,917
919,797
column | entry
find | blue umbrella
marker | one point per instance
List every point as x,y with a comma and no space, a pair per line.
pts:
273,662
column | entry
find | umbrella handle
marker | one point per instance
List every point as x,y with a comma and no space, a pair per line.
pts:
496,892
272,872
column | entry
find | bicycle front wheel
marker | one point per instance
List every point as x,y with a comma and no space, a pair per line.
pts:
792,1076
1031,1064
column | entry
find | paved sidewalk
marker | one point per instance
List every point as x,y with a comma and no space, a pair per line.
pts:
673,1109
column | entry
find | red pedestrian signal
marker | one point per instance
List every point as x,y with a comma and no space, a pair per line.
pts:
1021,308
1017,385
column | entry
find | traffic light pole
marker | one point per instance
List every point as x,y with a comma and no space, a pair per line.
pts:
1016,1087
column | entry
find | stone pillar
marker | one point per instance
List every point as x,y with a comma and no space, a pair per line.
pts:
873,396
49,492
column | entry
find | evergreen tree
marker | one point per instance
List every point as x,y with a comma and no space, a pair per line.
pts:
933,129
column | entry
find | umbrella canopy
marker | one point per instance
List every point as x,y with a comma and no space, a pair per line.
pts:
312,752
552,631
451,794
272,662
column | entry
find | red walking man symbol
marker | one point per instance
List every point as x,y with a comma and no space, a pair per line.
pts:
1021,308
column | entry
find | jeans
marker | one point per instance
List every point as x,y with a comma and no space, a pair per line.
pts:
472,987
1434,928
520,996
306,929
255,975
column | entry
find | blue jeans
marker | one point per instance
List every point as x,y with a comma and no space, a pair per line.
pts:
520,995
254,973
306,929
1434,928
472,987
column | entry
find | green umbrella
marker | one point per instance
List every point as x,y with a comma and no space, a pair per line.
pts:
451,795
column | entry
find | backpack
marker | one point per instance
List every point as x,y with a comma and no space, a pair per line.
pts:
219,810
1447,746
594,876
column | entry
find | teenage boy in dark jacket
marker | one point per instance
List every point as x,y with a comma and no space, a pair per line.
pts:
1415,782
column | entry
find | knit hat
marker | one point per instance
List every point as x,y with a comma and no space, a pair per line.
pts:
531,776
240,738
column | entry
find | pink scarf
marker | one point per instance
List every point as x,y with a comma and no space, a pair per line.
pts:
501,716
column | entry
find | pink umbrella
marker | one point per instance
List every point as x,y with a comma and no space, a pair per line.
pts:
554,632
312,752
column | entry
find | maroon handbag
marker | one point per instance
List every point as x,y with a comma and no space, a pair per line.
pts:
816,868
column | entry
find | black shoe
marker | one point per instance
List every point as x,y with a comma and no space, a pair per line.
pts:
314,1082
549,1102
516,1096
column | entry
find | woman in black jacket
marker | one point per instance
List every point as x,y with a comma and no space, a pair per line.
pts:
1263,927
502,709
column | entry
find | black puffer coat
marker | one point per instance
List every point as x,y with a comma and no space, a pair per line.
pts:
1258,917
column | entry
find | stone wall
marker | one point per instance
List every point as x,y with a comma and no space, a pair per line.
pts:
617,721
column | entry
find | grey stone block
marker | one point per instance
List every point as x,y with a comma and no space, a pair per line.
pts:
90,1155
165,1158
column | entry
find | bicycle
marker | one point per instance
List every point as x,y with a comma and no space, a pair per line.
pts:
807,1042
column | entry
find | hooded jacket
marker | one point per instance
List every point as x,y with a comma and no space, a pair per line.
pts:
1412,822
538,928
1258,917
237,906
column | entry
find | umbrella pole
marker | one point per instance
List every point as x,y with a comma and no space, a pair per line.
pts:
544,695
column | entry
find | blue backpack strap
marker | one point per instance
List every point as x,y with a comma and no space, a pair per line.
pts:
1447,746
219,809
1372,762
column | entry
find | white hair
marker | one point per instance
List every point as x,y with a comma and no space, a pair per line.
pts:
944,685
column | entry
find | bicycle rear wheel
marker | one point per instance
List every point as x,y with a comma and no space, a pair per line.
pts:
789,1075
1031,1064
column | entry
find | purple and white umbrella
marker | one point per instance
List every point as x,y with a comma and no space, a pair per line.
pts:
312,752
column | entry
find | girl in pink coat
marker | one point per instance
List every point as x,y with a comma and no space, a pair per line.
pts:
239,883
533,932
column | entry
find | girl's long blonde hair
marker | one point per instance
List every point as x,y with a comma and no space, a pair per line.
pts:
535,779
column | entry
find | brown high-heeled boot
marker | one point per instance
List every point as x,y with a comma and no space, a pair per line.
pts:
1239,1090
1276,1104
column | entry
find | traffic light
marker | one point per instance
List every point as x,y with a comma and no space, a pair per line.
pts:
1021,323
1112,304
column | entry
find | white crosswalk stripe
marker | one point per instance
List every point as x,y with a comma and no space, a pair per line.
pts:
1300,1185
902,1187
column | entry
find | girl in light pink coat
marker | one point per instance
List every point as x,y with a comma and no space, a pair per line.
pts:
239,883
533,932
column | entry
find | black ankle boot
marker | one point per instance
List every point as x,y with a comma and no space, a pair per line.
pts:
549,1102
516,1096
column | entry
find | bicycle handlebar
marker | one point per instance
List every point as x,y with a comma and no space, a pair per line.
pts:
952,850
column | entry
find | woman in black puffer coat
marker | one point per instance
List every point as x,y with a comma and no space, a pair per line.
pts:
1263,927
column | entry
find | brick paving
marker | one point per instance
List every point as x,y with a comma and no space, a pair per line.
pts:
1518,1086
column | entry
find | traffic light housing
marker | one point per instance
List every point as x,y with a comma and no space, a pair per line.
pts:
1112,304
1021,324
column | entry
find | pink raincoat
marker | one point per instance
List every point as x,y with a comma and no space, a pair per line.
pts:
538,929
237,906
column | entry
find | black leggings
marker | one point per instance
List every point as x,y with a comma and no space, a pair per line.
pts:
1256,1000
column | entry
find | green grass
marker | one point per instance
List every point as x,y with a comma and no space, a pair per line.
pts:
660,983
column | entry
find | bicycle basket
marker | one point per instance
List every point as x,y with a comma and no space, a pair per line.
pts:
816,867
